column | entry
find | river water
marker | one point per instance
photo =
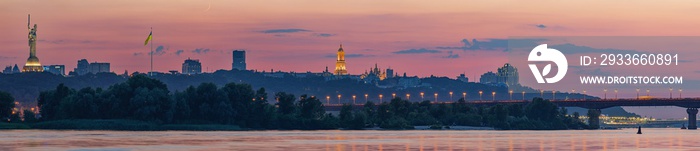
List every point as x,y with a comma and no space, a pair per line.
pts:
623,139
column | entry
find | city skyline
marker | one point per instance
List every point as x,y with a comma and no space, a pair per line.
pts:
281,38
349,75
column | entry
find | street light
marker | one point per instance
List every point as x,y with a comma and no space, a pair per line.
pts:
511,94
680,93
615,94
380,98
584,95
393,95
605,97
523,95
670,93
542,94
480,92
647,92
408,96
328,99
493,95
339,99
436,98
553,97
637,93
366,97
421,96
464,95
450,95
353,99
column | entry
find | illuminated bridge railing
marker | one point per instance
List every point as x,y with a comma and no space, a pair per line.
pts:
588,103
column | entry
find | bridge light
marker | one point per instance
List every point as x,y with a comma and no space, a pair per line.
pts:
605,97
493,94
511,94
380,98
553,97
451,96
647,92
542,94
353,99
480,92
436,99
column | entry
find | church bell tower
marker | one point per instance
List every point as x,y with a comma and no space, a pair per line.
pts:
340,63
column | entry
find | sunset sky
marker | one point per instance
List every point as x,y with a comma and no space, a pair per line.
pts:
417,37
304,35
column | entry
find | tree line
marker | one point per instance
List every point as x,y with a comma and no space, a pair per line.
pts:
146,99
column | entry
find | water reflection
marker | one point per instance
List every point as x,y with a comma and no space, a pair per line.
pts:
626,139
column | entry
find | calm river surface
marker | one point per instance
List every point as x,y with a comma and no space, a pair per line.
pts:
624,139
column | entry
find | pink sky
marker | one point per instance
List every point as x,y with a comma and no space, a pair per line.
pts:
114,31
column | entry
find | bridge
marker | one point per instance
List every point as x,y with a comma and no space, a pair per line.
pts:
692,104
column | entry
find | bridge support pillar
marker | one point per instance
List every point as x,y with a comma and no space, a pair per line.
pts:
692,118
594,118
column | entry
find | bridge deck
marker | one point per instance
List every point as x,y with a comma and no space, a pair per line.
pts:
589,103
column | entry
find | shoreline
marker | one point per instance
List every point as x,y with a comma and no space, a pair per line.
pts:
468,128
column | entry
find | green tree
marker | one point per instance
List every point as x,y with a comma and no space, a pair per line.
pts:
81,105
7,102
142,81
240,97
346,116
593,118
285,103
14,118
182,107
29,116
214,105
383,112
400,107
152,105
261,114
543,110
359,121
49,101
311,107
371,113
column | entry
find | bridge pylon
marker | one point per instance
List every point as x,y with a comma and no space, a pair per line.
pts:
692,118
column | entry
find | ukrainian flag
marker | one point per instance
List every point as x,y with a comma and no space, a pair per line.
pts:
149,38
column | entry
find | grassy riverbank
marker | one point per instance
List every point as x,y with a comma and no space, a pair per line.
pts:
117,124
4,125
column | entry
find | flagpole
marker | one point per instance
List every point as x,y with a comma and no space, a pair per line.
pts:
151,73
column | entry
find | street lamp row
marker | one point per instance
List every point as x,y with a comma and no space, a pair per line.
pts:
493,95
